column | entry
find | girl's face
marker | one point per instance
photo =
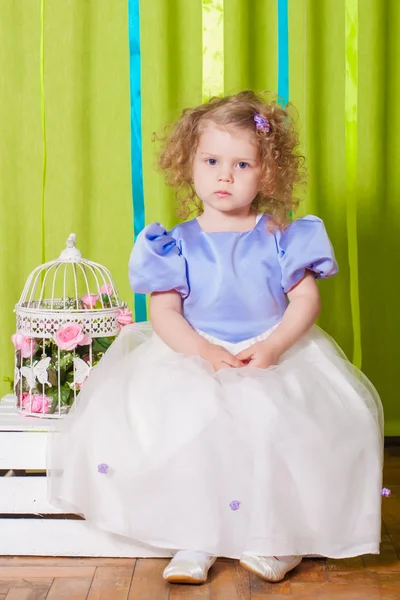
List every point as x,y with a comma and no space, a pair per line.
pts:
227,169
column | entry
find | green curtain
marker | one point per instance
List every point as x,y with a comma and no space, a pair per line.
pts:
88,188
87,102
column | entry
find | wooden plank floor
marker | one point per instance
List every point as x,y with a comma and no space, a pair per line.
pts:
362,578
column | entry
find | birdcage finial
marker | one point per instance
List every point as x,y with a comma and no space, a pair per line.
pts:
71,252
71,241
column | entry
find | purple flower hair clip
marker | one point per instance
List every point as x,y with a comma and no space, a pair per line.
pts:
262,123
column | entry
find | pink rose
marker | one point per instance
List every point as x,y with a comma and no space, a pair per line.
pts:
71,335
124,317
107,289
90,300
35,403
26,345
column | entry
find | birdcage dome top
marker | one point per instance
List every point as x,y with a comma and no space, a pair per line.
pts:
68,289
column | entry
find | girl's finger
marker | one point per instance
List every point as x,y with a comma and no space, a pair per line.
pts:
233,361
245,355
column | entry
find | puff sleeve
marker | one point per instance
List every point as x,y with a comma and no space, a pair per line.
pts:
157,264
305,245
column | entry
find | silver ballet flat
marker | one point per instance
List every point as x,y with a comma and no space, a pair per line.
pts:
269,568
189,567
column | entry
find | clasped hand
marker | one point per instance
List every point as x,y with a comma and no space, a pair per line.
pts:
260,355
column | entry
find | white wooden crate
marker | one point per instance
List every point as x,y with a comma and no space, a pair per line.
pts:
24,498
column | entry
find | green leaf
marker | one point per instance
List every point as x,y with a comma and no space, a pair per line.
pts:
66,397
65,393
96,358
9,380
52,392
106,300
69,378
103,342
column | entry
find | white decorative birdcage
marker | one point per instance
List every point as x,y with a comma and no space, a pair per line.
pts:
68,315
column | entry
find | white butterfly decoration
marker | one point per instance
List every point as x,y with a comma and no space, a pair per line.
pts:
81,370
38,371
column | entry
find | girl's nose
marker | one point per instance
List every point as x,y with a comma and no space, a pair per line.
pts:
225,175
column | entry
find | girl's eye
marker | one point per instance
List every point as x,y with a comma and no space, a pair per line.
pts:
243,165
212,161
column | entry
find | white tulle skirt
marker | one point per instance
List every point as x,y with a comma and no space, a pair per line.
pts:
278,461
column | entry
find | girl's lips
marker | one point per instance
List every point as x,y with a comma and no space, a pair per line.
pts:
222,193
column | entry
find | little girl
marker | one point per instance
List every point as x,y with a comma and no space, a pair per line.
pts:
231,426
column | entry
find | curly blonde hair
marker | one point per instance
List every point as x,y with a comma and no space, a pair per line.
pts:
283,166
